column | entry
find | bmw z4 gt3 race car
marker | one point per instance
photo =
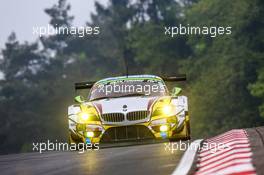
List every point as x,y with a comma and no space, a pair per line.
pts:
129,108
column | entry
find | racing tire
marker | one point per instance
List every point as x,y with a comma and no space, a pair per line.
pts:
70,140
187,130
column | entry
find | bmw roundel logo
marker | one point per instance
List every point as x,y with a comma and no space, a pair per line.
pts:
124,108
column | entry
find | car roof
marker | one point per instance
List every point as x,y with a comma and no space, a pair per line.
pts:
130,77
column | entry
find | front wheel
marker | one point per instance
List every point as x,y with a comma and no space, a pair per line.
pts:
185,134
188,130
70,140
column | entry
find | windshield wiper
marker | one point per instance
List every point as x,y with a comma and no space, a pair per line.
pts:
132,95
100,98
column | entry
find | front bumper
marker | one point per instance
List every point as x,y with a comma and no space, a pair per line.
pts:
113,133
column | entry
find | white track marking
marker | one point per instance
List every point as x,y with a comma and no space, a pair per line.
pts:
187,159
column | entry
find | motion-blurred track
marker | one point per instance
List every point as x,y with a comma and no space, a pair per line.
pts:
141,159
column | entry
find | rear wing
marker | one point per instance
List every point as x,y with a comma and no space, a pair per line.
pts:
84,85
181,77
89,84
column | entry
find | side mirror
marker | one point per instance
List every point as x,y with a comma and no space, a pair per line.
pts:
79,99
176,91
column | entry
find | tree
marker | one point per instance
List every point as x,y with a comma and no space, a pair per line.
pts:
19,94
154,51
222,68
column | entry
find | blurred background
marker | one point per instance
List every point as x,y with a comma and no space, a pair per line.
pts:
225,74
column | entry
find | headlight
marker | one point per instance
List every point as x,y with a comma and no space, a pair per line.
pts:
164,108
84,116
167,110
90,134
164,128
161,125
89,113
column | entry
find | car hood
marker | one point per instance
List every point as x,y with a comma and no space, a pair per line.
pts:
124,104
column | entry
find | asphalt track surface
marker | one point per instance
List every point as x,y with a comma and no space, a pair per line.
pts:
141,159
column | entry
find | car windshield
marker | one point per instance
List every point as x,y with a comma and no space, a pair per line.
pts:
126,88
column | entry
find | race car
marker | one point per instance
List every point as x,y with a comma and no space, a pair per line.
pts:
129,107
